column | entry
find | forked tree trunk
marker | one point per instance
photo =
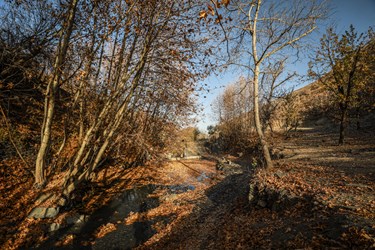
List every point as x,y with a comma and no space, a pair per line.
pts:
50,98
77,174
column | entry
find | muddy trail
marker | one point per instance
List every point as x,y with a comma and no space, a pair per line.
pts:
148,211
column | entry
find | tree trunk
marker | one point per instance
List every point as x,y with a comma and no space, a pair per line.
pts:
342,126
45,137
77,173
258,125
358,117
50,99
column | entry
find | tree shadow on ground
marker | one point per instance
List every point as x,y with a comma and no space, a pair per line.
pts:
227,220
318,146
119,208
191,232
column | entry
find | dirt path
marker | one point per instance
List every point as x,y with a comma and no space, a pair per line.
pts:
148,211
190,205
335,209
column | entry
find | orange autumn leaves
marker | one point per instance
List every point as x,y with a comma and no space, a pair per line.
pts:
212,10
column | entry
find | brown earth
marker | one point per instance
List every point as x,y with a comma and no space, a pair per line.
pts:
191,205
335,208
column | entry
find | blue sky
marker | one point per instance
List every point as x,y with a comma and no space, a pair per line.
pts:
360,13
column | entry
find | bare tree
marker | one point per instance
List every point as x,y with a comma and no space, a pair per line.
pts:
233,110
51,92
274,91
145,79
265,31
119,77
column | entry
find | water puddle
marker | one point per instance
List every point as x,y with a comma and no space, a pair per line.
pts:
178,189
202,177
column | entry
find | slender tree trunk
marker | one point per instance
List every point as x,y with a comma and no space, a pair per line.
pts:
358,117
50,98
108,134
81,120
342,125
258,125
46,136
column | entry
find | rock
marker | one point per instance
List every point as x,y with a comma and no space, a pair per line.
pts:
283,193
62,202
277,200
229,168
262,203
44,197
170,197
280,174
178,189
75,219
252,192
54,227
44,212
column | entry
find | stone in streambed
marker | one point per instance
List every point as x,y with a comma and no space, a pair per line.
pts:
44,212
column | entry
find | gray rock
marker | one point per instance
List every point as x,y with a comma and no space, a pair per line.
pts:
75,219
280,174
229,168
62,202
54,227
83,218
252,192
44,197
283,193
44,212
262,203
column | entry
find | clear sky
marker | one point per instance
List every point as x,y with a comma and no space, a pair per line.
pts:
360,13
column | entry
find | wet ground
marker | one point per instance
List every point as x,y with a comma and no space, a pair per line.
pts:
125,236
191,205
109,227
